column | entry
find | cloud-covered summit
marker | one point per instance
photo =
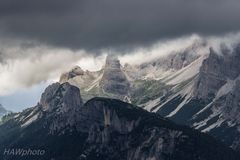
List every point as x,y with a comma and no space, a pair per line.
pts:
26,65
39,39
94,24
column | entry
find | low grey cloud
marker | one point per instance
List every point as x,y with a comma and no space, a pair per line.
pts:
94,24
25,67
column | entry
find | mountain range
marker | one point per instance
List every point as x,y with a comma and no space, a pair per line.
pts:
179,106
197,86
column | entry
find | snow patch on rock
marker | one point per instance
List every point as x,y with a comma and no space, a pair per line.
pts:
30,120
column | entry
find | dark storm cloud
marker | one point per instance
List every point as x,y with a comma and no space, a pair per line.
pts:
94,24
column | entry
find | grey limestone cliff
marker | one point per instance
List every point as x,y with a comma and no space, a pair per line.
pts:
114,79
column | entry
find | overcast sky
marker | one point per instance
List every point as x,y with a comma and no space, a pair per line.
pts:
94,24
39,39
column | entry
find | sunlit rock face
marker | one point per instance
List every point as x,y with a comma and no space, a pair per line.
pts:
76,71
114,80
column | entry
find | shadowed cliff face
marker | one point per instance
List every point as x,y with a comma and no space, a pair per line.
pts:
60,103
60,95
211,77
114,80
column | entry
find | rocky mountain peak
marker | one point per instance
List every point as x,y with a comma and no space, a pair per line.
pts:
112,62
215,71
176,60
75,71
61,96
114,79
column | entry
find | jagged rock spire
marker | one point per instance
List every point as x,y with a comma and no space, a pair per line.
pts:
112,61
114,80
62,96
